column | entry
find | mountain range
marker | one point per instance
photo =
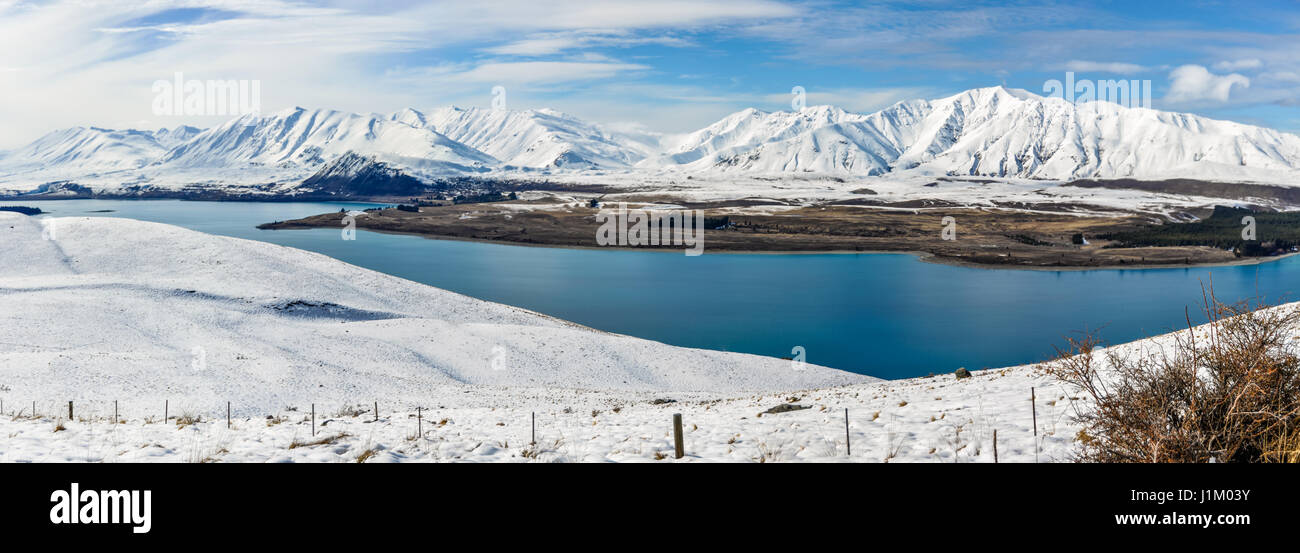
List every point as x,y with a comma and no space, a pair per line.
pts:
987,132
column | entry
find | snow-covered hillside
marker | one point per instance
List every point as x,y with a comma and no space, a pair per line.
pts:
122,309
988,132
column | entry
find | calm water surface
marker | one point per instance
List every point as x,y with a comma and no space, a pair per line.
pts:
880,314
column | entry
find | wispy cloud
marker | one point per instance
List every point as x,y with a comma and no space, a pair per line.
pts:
861,100
1238,65
1119,68
92,62
555,43
667,63
890,34
527,72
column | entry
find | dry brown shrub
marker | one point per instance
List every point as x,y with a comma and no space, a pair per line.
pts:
1231,394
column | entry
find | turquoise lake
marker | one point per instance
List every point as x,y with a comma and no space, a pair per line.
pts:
885,315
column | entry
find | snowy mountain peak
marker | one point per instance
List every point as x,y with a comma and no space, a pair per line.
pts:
169,138
737,141
312,137
991,132
539,139
409,116
86,149
994,132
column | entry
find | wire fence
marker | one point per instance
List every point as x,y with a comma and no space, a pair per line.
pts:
553,427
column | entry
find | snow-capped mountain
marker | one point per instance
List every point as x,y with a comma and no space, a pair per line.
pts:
92,149
821,139
312,137
995,132
87,149
991,132
540,139
1002,132
750,129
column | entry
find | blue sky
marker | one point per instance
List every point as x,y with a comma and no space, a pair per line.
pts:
667,66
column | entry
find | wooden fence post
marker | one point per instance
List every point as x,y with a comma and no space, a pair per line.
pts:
376,411
69,410
1033,402
534,438
115,417
677,435
227,415
165,407
419,421
995,445
848,445
313,419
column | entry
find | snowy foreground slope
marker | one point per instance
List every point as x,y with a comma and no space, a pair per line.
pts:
937,420
159,318
123,309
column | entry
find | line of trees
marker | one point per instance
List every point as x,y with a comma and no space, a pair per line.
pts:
1274,231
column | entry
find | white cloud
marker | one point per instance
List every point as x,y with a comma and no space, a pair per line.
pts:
934,34
556,43
861,100
609,14
1238,65
1195,83
537,46
1118,68
1282,76
92,62
539,72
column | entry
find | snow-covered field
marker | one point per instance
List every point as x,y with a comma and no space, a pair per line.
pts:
937,419
146,318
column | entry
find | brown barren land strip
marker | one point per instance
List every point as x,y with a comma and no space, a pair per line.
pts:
985,237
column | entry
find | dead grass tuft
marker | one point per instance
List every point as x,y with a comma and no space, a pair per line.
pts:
326,440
